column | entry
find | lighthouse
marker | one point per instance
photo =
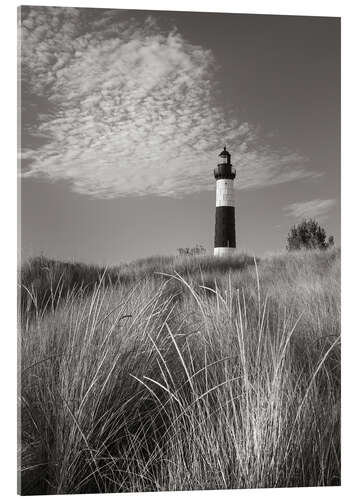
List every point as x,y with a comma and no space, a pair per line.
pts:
225,231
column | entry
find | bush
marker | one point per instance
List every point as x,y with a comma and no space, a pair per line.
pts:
308,235
196,250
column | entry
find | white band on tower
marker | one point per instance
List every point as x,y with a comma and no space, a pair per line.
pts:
224,251
224,193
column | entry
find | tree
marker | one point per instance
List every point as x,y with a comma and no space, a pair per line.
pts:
308,235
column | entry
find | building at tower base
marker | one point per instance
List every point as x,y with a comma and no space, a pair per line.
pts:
225,234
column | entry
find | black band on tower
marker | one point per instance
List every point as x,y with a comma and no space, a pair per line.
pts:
225,227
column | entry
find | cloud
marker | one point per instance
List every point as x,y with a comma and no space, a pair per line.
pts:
124,108
314,208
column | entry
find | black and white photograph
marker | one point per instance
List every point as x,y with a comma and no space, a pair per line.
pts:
179,250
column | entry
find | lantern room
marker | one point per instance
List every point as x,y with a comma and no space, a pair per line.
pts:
224,169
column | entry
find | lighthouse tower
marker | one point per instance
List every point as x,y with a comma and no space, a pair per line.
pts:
225,232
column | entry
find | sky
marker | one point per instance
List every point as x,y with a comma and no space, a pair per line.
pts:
124,113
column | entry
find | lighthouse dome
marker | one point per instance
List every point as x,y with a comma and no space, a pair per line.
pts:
224,152
225,157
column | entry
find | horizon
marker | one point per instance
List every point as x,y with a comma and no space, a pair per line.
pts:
124,114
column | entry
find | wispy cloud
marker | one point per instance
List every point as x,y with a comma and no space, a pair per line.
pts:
121,108
312,208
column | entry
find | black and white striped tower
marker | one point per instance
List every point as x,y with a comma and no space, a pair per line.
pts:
225,231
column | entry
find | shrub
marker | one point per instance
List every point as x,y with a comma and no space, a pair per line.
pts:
308,235
196,250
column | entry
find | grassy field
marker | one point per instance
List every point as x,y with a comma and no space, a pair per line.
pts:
179,373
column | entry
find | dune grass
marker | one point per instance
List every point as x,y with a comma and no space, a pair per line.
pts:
180,374
45,282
